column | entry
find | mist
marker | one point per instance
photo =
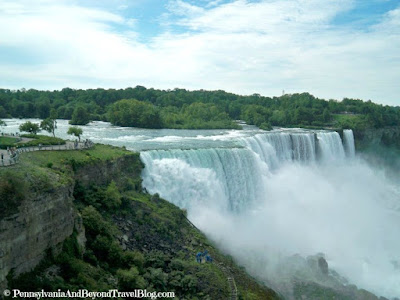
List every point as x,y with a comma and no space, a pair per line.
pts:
343,209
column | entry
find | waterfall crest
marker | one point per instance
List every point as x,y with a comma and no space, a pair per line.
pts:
348,141
330,146
233,177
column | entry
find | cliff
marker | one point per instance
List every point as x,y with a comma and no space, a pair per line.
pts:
387,136
79,219
42,222
38,212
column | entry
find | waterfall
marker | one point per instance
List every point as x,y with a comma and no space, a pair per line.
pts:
303,147
230,179
277,148
267,195
330,146
348,141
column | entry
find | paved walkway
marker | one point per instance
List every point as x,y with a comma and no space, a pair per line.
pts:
10,159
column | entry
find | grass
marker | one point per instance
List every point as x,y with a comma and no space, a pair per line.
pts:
6,141
41,139
343,118
36,140
76,157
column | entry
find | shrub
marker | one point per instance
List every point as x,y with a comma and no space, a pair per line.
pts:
12,192
112,196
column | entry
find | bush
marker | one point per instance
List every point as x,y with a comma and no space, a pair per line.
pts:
135,258
157,277
112,196
12,192
42,139
94,223
129,279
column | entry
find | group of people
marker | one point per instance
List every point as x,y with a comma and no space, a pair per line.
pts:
203,257
13,153
12,134
86,144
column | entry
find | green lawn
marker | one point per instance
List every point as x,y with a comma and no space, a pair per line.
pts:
6,141
75,157
355,122
41,139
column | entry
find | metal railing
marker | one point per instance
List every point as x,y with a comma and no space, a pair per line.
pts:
13,155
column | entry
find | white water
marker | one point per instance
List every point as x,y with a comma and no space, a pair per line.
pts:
330,146
348,141
284,194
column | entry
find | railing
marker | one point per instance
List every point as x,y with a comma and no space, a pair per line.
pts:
12,156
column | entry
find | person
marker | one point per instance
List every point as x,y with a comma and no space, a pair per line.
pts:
205,253
198,257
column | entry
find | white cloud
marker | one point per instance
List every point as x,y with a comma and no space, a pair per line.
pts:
241,46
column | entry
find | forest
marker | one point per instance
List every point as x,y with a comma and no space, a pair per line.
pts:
183,109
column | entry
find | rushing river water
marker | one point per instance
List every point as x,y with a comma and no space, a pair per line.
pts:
263,195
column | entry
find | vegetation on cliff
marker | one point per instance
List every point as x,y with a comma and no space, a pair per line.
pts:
179,108
34,140
134,239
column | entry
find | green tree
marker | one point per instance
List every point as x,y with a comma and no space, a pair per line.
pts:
49,125
130,278
113,197
76,131
3,113
30,127
80,116
134,113
326,115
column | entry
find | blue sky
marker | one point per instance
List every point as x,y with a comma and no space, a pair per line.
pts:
330,48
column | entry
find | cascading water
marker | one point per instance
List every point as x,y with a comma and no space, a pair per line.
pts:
237,174
330,146
273,197
348,141
232,178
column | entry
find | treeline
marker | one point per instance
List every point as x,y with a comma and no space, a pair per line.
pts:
179,108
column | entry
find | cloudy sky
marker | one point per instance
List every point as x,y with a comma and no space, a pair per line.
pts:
330,48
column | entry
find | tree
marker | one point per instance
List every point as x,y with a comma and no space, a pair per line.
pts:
76,131
80,116
49,125
2,123
113,197
134,113
30,127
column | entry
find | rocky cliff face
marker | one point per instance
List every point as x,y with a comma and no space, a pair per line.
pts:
44,219
102,173
388,136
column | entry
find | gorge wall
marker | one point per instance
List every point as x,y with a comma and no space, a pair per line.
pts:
42,222
46,216
387,136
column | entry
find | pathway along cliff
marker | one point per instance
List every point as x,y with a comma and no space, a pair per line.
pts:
275,200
